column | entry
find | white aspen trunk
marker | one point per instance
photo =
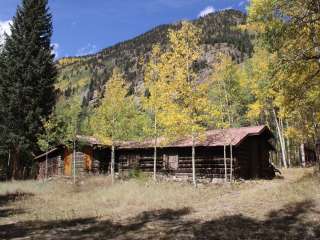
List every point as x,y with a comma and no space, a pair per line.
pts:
74,161
227,103
282,144
46,173
225,163
289,155
155,162
303,155
231,163
283,140
296,154
155,149
112,162
289,152
193,162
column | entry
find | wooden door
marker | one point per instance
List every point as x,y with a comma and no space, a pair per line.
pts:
67,162
88,158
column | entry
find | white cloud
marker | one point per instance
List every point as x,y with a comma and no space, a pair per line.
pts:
4,28
88,49
244,2
206,11
55,47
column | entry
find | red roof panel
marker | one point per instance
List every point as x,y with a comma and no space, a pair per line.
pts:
218,137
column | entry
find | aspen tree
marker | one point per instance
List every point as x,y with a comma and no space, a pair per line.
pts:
187,107
111,121
225,91
153,101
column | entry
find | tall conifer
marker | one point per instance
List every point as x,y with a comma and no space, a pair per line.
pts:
27,79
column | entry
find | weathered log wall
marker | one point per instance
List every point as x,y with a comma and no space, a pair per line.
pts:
177,162
50,168
253,156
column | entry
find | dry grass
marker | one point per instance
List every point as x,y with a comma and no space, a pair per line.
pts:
286,208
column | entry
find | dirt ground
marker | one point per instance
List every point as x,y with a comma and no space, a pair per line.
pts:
287,207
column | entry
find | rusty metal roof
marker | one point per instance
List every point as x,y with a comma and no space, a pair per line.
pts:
88,140
52,150
218,137
212,138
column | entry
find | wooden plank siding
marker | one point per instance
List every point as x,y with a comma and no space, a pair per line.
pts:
85,162
67,159
60,163
51,165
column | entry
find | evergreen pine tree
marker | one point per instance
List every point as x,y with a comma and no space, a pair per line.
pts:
27,79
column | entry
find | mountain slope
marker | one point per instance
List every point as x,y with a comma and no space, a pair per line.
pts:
85,77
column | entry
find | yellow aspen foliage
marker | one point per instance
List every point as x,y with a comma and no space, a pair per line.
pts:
110,118
67,61
225,92
187,109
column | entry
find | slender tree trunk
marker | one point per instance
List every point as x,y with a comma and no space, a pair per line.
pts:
46,173
231,163
282,144
74,161
225,163
288,148
289,152
303,155
297,154
193,162
155,149
155,162
8,167
16,164
112,162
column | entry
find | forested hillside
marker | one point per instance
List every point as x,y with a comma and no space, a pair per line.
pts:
81,79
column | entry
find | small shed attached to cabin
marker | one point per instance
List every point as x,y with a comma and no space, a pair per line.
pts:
90,159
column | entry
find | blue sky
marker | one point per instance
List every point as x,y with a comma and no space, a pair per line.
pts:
86,26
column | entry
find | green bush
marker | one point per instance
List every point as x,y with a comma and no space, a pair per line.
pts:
137,174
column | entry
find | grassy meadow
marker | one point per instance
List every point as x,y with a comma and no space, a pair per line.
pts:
287,207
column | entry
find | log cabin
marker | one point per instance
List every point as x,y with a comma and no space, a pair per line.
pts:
247,150
90,157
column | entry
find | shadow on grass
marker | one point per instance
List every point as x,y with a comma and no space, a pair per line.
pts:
13,197
5,199
287,223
